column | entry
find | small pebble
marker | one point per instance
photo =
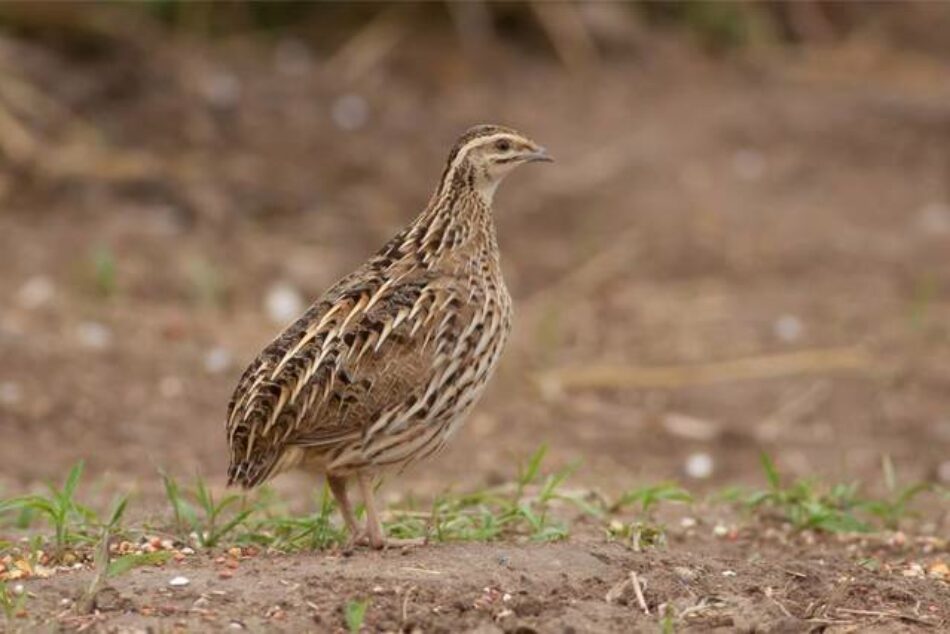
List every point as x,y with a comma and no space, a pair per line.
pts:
283,303
943,472
222,90
217,360
699,465
728,573
178,582
684,573
350,112
10,393
934,219
94,335
36,292
748,164
788,328
939,570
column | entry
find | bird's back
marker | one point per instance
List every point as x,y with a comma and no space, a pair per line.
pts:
376,372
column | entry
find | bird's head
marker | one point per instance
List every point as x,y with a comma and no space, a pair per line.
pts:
485,154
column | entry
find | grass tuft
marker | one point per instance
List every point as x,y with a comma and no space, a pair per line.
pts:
807,504
521,510
70,520
199,517
648,497
536,506
354,613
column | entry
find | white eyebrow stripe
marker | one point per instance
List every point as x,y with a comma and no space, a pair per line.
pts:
463,151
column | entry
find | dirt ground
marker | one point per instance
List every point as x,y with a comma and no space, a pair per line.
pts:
173,196
580,586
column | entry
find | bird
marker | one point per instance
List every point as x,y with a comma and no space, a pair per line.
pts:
381,370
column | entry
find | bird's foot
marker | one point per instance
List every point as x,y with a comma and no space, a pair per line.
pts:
364,540
405,542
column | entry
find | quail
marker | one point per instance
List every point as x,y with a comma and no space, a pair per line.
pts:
382,369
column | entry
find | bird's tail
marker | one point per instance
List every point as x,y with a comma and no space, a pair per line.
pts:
250,473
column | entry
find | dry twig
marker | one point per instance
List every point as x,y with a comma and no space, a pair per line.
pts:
405,603
638,592
565,27
752,368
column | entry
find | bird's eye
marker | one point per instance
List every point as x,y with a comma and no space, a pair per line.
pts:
502,145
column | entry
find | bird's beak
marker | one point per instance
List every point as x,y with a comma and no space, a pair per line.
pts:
541,154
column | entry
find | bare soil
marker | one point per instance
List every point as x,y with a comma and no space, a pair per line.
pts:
580,586
701,211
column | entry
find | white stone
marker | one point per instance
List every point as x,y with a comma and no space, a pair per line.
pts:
283,303
350,112
36,292
222,90
788,328
179,581
92,334
699,465
10,393
217,360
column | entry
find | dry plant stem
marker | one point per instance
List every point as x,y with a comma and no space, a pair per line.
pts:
887,615
761,367
370,45
638,591
568,33
405,603
87,602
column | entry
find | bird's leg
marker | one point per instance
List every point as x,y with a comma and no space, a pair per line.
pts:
374,528
338,488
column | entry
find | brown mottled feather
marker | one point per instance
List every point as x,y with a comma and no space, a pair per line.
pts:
383,366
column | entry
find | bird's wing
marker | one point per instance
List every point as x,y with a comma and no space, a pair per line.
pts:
361,357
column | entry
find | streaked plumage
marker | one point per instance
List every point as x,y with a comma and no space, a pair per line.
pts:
383,367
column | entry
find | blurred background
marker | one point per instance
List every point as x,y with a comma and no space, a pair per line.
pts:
744,244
